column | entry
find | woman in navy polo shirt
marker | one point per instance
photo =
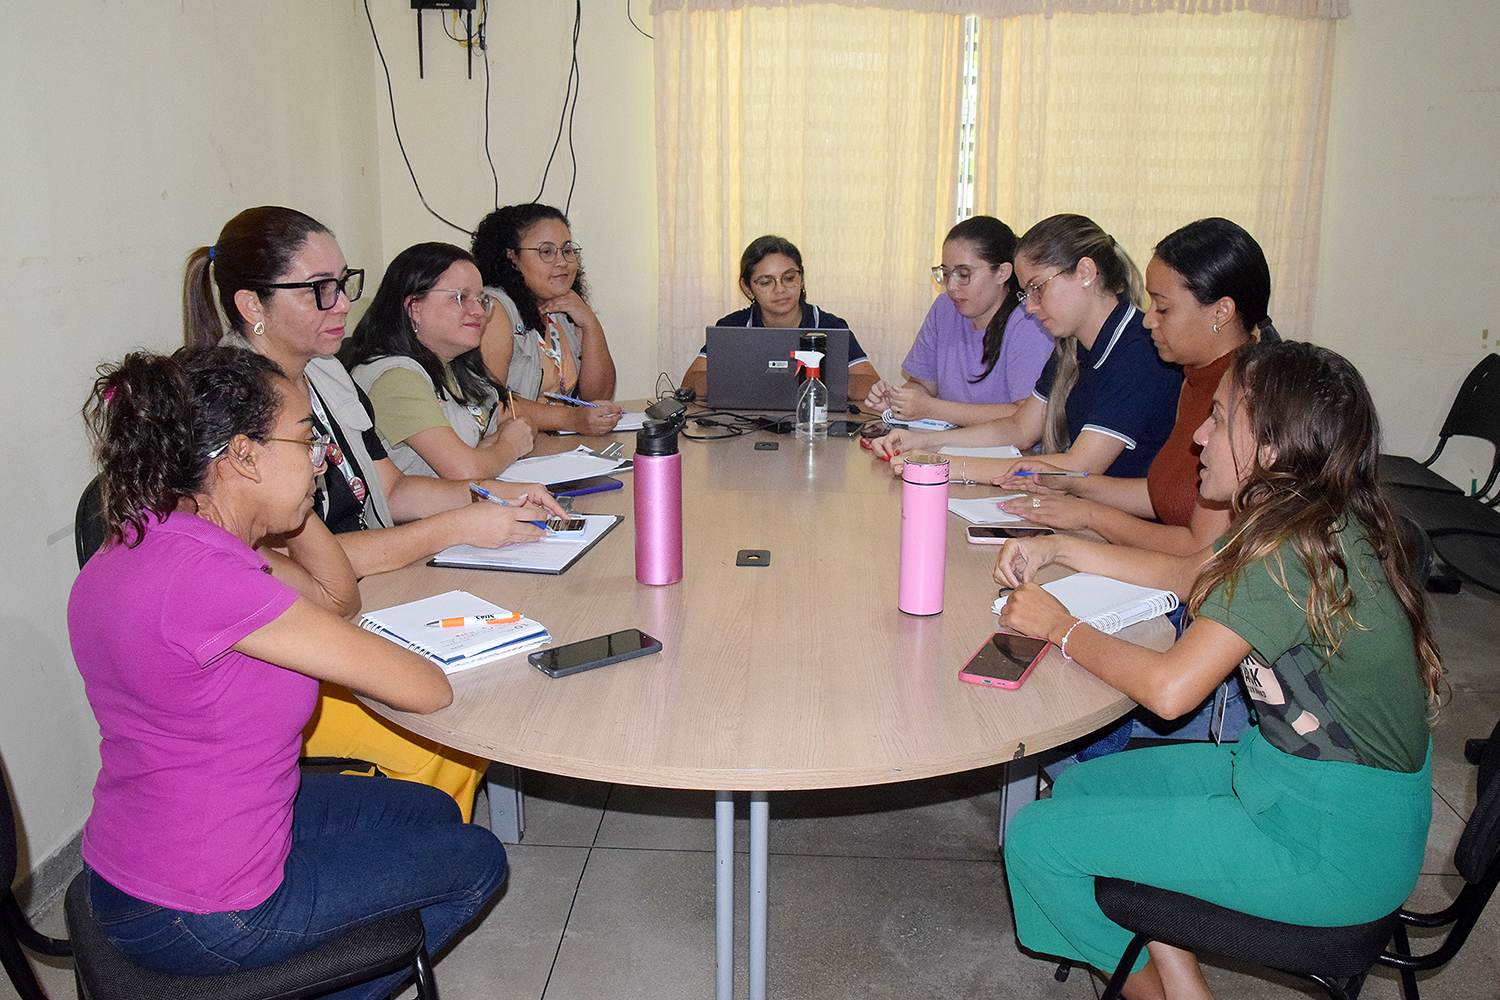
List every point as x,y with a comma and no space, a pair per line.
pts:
771,278
1106,401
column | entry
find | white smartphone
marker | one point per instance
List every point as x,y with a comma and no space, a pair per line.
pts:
996,534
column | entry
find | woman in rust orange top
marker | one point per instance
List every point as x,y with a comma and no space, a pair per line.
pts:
1209,286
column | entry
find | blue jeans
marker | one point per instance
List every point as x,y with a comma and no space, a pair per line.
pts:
362,848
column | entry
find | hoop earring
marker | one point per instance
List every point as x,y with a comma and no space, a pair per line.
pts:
259,329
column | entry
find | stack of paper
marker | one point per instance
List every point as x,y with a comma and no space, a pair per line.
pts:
579,463
552,554
984,510
418,626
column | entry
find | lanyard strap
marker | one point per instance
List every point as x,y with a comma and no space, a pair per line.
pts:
336,453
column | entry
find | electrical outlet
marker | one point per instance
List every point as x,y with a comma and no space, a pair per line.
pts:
444,4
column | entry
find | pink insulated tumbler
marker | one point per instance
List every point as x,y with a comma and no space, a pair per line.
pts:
658,505
924,534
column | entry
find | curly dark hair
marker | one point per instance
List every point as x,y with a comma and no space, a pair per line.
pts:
500,232
156,420
385,330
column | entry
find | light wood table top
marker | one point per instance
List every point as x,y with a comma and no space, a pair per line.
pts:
800,674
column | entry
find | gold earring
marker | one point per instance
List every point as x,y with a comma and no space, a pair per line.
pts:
260,328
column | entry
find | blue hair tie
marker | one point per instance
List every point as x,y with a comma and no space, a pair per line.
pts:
210,253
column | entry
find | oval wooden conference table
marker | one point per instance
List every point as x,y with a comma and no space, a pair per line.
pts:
793,675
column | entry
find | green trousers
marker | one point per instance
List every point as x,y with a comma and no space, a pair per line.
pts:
1242,825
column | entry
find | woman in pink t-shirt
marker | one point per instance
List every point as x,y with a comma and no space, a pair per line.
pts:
202,628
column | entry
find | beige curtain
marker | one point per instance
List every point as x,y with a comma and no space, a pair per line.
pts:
831,126
1147,123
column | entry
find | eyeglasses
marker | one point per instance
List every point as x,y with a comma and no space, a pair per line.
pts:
791,279
326,290
463,297
958,275
1035,288
319,447
548,251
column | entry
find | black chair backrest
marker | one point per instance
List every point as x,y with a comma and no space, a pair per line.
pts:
1478,849
8,837
1476,411
88,522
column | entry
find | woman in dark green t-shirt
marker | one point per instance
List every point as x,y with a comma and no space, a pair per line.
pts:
1319,814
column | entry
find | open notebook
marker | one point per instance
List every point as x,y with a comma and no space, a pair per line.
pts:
1105,603
455,648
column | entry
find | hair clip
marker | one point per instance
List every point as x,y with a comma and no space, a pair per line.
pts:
109,394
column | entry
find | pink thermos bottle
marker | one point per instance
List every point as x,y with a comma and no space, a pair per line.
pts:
658,504
924,534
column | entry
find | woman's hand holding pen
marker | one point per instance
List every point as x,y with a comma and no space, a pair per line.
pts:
1030,610
1024,476
595,420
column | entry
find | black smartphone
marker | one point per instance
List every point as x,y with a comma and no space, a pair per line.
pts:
1004,661
844,428
995,534
578,487
586,654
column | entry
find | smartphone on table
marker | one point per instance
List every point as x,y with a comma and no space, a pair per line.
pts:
586,654
1005,660
996,534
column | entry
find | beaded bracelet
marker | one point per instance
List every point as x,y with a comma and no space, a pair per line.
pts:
1062,647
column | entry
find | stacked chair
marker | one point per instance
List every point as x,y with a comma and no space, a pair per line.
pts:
1464,530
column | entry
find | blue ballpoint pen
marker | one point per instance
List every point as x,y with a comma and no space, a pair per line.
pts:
1065,472
568,399
480,491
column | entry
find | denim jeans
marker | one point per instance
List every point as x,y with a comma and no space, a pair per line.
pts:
362,848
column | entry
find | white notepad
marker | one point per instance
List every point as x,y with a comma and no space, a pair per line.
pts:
984,510
580,463
454,649
1105,603
552,554
994,451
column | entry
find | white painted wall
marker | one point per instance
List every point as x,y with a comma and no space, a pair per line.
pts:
131,131
1411,217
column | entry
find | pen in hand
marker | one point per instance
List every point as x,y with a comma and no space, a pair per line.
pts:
1061,472
568,399
480,491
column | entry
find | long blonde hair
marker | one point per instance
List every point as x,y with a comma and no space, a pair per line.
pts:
1062,241
1312,408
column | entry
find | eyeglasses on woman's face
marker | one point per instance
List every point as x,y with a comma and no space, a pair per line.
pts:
463,298
1034,288
319,446
548,251
789,279
959,275
326,290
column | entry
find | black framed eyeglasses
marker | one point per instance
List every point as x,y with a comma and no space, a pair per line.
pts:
326,290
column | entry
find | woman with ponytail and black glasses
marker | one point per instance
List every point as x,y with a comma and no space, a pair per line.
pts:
202,648
1105,402
1319,815
977,354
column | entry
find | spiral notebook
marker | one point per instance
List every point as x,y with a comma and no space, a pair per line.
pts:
412,625
1106,603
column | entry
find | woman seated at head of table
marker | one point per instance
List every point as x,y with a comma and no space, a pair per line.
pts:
1209,285
285,287
416,353
1319,815
545,338
1104,402
201,651
772,278
977,354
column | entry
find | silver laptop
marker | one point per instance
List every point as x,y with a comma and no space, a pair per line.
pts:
751,368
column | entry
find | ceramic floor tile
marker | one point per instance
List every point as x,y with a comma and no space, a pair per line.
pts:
561,811
670,819
510,952
1469,715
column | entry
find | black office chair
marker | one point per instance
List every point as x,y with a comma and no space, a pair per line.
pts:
15,931
389,945
1475,413
1337,958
